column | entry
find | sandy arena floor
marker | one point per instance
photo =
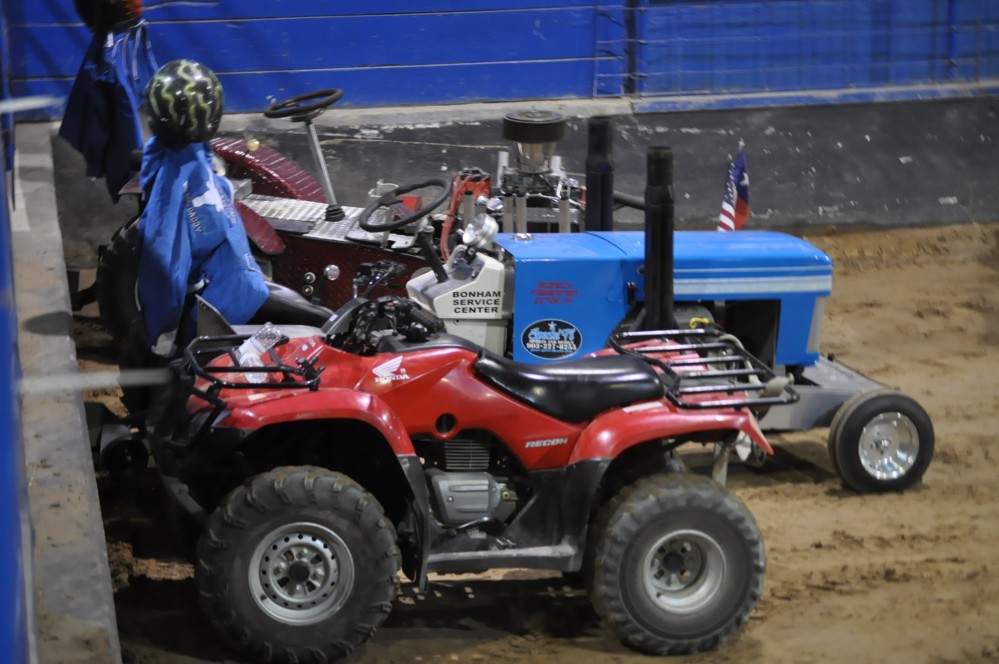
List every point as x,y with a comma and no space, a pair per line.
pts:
892,578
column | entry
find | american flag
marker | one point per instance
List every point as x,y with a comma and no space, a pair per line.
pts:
735,206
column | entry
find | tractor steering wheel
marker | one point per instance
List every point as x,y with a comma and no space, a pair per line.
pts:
297,107
391,198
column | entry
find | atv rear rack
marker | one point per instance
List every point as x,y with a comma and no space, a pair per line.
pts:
698,363
203,350
172,415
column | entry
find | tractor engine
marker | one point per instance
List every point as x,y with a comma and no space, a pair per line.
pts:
534,194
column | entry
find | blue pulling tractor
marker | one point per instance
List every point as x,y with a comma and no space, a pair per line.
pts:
543,297
539,296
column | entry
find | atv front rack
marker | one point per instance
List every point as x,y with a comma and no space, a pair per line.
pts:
698,365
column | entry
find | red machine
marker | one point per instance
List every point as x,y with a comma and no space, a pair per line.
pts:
311,246
381,444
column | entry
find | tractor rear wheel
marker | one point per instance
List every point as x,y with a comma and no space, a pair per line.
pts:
299,564
881,440
679,564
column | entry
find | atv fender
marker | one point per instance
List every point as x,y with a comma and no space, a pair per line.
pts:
279,407
613,432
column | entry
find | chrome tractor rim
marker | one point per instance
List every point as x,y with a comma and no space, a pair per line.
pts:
301,573
889,445
683,571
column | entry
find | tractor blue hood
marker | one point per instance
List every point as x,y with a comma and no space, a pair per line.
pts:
580,282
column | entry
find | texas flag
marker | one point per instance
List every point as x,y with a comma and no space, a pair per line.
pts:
735,206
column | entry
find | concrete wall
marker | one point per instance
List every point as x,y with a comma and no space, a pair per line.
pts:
905,163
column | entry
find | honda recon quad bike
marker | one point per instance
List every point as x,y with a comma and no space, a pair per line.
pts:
324,465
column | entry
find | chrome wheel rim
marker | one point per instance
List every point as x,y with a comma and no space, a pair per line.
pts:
683,571
301,573
889,445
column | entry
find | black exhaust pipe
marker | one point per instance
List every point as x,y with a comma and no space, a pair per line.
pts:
600,176
659,227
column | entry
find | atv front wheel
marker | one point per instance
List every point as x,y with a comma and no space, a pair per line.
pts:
679,564
881,440
298,564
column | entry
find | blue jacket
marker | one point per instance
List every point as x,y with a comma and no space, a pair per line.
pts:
102,119
189,232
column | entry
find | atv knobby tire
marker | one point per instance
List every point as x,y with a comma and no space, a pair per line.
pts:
679,564
299,564
114,286
881,440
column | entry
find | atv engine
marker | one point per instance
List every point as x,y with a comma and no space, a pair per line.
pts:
463,490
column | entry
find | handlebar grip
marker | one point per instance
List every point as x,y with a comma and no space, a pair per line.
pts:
421,316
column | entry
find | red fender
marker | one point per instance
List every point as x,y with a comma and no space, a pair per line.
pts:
272,173
611,433
263,409
259,232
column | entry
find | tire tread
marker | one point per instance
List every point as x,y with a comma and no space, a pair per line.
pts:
618,522
840,452
256,499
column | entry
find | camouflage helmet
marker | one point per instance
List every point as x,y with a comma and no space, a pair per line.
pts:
184,102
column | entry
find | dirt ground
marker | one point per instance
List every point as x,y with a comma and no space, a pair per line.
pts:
890,578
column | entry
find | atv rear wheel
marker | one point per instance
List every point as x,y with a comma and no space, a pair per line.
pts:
298,564
881,440
117,274
116,283
679,564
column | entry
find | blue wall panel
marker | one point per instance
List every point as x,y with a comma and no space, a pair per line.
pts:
976,39
15,527
385,86
380,53
443,51
751,46
14,521
44,12
339,42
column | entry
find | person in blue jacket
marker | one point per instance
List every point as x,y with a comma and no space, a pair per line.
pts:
190,236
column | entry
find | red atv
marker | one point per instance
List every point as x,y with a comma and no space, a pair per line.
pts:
380,444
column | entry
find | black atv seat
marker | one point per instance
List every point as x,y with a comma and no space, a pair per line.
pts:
573,390
395,343
283,305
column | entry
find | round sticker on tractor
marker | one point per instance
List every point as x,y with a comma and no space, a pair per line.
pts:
551,339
